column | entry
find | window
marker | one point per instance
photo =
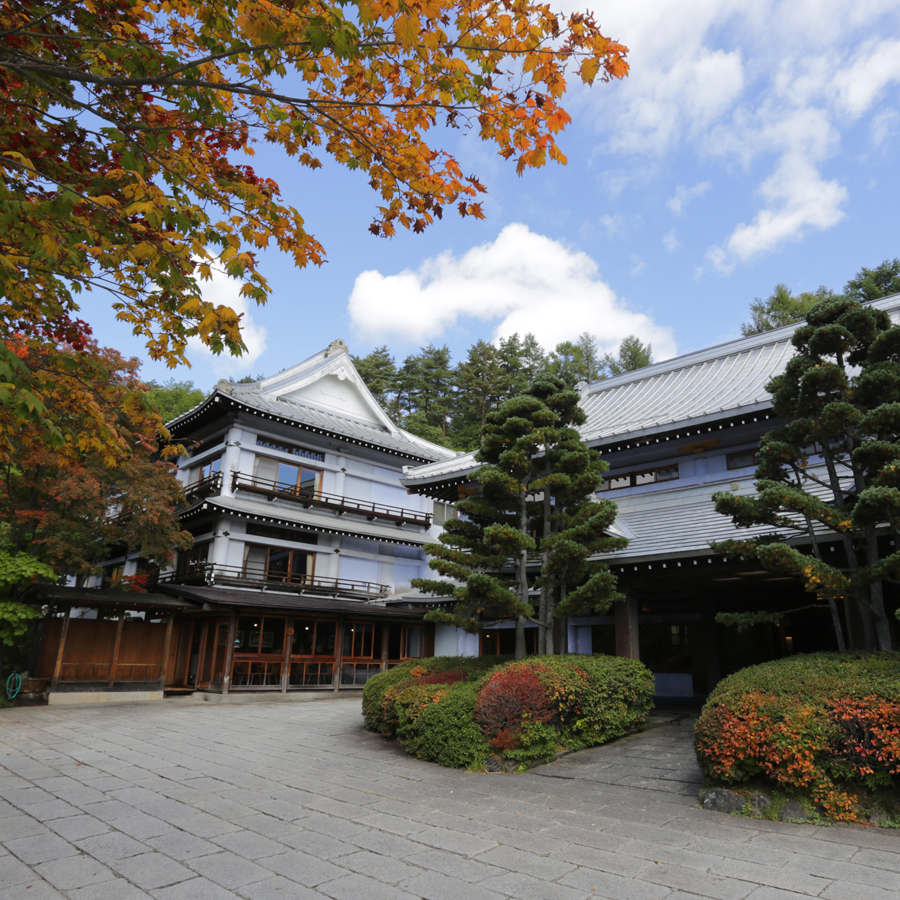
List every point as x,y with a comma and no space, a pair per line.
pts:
502,641
277,564
288,476
443,512
293,449
260,635
193,559
208,469
637,479
406,642
313,638
742,459
362,640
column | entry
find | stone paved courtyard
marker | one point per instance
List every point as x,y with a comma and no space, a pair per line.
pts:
185,800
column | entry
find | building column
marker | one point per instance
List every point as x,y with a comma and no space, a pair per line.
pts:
231,459
627,639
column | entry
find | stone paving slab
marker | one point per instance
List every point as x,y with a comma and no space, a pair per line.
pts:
185,800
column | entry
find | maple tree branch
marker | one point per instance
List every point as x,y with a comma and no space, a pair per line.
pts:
48,15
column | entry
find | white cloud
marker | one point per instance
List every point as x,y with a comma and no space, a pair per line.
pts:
772,86
613,224
522,282
797,199
222,290
671,242
860,84
684,195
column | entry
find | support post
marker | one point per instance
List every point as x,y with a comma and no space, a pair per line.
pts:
627,640
229,653
286,657
115,660
57,669
167,647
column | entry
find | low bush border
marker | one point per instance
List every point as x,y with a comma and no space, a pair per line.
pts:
822,730
499,715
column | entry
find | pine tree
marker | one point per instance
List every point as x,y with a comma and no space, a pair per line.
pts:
379,372
537,475
840,395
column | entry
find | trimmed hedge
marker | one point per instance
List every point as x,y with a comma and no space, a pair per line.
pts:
459,711
824,724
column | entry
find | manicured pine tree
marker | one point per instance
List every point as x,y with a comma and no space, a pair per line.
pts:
537,475
573,525
840,396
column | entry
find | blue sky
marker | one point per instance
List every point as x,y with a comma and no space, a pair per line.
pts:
752,144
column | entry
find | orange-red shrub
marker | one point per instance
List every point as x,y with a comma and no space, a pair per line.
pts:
511,699
822,723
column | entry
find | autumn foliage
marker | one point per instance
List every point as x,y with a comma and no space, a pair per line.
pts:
824,725
107,484
461,711
127,127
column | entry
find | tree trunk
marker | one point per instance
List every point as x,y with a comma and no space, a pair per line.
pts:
520,637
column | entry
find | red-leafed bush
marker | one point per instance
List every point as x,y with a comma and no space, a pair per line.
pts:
867,735
457,711
511,700
827,725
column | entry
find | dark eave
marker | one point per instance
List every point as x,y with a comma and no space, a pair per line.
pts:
218,401
103,597
269,599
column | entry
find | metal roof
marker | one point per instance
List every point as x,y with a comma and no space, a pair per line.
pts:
318,521
92,597
709,385
706,386
682,521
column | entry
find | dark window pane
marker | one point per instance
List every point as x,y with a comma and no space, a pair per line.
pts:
246,639
395,633
304,638
272,638
326,633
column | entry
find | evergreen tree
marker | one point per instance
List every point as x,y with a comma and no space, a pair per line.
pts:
870,284
840,396
480,385
537,475
781,307
427,381
575,361
379,372
573,525
632,355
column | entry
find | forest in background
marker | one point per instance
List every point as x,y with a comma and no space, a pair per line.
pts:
434,399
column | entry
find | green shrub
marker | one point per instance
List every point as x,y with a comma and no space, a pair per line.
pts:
524,711
380,690
436,724
594,698
822,723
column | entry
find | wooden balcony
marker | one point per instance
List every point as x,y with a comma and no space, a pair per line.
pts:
207,487
273,490
258,578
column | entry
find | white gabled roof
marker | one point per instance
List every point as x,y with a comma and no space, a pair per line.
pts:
326,393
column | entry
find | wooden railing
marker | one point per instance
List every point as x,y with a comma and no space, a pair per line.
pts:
206,487
260,578
312,498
